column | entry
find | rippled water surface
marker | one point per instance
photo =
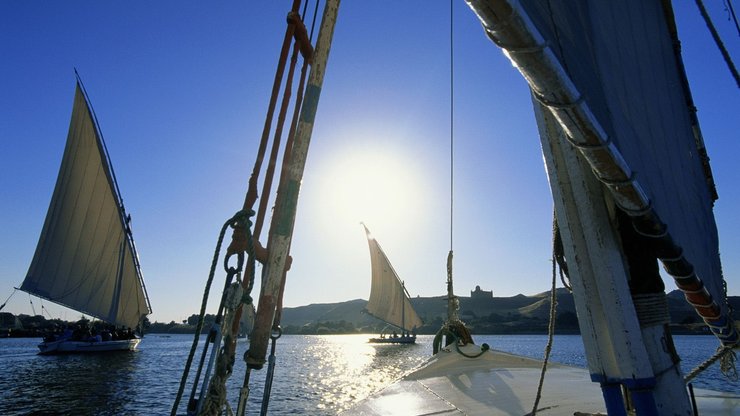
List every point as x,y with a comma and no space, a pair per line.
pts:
317,375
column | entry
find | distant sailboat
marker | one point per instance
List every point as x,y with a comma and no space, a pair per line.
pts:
389,300
86,259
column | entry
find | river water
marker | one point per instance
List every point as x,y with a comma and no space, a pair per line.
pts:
316,375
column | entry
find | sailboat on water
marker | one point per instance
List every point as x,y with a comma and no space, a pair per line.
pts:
389,300
86,259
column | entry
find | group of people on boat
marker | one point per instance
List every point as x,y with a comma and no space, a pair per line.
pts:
404,334
83,332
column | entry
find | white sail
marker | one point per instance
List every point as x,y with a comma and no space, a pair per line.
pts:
85,258
388,299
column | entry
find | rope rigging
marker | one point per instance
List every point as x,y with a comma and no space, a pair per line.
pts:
720,45
453,330
241,218
727,357
558,253
208,394
731,12
558,261
8,298
30,300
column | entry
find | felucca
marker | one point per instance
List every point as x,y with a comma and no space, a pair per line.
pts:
86,259
389,300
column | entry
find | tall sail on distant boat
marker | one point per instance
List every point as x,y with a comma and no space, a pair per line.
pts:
86,259
389,301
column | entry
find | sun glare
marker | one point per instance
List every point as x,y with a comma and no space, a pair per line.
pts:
372,186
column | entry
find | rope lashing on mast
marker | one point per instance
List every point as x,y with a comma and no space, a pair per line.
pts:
675,264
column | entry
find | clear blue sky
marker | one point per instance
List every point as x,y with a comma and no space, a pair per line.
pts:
180,89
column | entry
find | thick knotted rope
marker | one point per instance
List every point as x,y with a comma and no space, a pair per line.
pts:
216,398
550,335
727,357
651,309
240,219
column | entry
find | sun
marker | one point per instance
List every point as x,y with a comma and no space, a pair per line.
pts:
374,186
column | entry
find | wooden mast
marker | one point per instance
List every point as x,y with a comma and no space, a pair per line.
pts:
283,220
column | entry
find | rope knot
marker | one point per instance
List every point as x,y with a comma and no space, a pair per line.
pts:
242,237
727,364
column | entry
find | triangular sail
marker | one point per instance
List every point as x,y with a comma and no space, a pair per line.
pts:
388,300
85,258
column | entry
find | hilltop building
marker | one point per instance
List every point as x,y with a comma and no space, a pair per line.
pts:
481,294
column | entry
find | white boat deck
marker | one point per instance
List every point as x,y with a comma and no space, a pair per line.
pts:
498,383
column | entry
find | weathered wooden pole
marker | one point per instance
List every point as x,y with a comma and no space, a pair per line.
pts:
283,219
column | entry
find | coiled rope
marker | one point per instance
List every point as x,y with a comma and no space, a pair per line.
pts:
457,336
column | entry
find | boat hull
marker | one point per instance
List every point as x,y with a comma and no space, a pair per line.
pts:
499,383
74,347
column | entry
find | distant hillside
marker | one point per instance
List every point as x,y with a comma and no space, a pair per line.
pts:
492,315
349,311
482,314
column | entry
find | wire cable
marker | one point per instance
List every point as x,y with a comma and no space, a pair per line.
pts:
452,118
718,41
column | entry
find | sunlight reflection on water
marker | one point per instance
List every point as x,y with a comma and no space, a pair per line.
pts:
343,369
